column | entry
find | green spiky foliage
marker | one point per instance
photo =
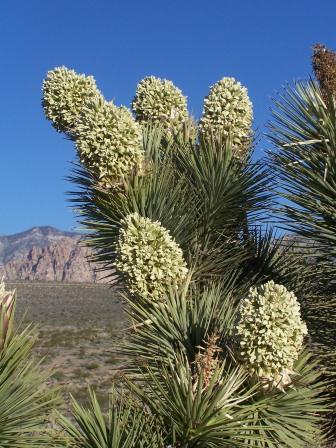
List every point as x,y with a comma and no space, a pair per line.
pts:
196,406
126,425
200,193
179,351
195,205
26,403
304,134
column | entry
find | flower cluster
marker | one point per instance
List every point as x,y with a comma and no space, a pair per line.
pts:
149,257
159,101
108,140
64,94
270,333
324,66
228,111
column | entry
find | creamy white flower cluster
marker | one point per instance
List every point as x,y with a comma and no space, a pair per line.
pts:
227,110
107,137
159,101
270,333
149,258
108,140
64,94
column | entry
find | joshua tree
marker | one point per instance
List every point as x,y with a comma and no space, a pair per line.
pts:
216,353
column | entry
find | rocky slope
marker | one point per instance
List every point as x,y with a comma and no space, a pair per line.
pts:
12,246
47,254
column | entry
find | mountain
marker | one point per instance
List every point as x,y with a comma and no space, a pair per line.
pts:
12,246
47,254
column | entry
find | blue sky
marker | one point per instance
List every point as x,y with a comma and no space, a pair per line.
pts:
262,43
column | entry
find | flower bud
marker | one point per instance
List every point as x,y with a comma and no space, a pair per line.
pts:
7,304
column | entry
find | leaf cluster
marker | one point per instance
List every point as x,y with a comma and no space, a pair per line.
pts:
26,403
303,132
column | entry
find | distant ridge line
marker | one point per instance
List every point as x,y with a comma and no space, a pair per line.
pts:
48,254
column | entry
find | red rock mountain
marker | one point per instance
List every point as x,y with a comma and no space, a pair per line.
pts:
47,254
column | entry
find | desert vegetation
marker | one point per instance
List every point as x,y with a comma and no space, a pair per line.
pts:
78,329
229,328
